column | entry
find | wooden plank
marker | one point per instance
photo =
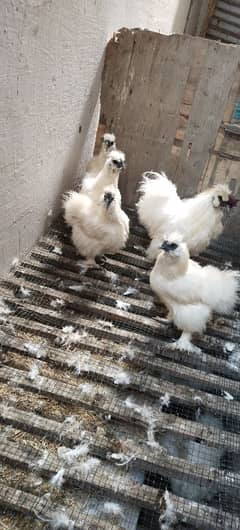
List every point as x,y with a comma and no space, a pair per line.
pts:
138,324
114,345
108,372
43,509
111,266
144,457
108,403
110,298
150,69
113,483
35,312
203,126
211,519
151,386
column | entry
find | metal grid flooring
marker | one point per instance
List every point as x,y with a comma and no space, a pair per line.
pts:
111,381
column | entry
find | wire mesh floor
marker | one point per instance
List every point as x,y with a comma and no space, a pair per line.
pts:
86,363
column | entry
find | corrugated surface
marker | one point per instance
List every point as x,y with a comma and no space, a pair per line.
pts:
224,24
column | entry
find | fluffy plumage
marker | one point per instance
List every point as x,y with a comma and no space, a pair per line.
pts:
98,227
97,161
189,291
109,174
199,219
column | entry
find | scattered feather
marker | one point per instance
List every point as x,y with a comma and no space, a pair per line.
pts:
165,400
229,347
77,288
59,520
86,388
228,264
112,276
57,303
78,363
41,461
227,396
67,329
198,414
57,480
33,372
130,404
4,309
113,508
105,324
88,466
70,419
124,306
24,293
72,338
34,349
234,361
139,248
168,518
15,262
130,291
5,410
57,250
145,413
129,353
197,398
122,378
151,435
50,212
70,455
122,459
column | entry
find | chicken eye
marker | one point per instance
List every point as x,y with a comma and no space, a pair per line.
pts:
220,198
173,246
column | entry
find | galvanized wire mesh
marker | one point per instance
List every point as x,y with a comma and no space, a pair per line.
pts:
86,360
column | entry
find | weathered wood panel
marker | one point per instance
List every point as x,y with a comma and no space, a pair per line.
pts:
164,97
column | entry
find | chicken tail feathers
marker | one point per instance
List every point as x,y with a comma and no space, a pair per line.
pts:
223,287
73,205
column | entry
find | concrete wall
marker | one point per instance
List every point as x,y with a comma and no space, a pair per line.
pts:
51,55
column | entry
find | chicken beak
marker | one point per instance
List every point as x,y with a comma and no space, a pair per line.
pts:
165,246
232,201
108,199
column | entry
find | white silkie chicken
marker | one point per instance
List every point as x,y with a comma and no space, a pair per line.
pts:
199,219
109,175
98,227
97,162
191,292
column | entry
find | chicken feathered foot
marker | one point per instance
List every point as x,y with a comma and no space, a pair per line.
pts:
184,343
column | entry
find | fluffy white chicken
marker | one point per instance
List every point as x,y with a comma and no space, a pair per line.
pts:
189,291
199,219
109,174
98,227
97,161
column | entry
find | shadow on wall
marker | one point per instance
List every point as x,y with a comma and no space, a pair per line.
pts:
181,14
71,166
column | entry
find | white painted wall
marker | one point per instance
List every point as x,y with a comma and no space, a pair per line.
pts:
51,54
